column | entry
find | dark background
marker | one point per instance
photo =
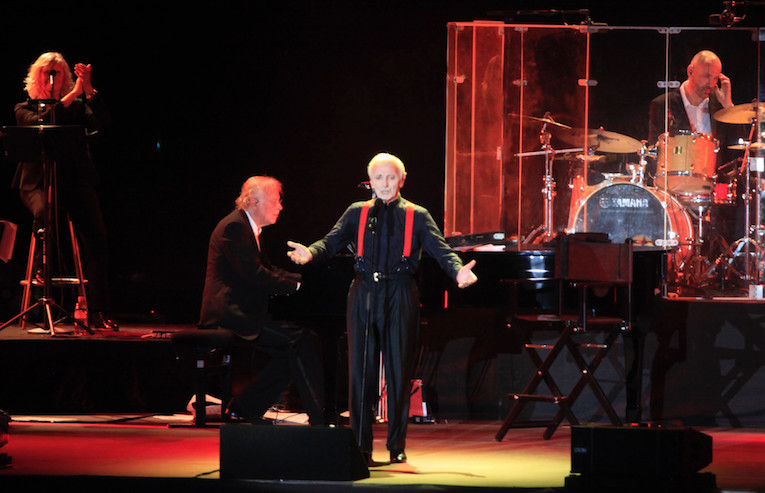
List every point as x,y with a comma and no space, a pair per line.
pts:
204,95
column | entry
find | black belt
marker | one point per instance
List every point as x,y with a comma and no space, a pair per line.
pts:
382,276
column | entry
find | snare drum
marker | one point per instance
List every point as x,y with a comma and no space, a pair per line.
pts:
625,210
687,163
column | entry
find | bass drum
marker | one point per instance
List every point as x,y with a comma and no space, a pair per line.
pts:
626,210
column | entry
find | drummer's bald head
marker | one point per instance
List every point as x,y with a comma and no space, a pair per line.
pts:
705,57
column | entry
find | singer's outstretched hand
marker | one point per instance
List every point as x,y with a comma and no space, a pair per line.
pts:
466,277
299,253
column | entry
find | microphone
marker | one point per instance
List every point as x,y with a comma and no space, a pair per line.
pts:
373,212
365,185
51,78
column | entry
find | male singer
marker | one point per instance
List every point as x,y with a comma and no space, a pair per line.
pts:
383,303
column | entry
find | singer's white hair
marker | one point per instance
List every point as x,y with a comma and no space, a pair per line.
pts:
384,157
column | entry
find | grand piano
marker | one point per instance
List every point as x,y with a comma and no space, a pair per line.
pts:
476,316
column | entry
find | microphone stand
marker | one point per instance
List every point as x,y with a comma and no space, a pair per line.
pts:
372,225
48,141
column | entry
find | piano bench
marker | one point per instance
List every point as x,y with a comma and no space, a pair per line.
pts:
211,352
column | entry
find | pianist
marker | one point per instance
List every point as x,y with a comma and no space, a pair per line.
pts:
238,284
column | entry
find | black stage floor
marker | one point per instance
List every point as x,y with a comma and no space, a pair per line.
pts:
144,453
97,412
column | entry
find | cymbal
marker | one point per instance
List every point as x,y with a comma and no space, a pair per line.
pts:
742,147
741,113
590,158
542,120
601,140
556,152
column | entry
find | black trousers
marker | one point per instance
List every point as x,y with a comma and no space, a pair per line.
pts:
293,355
390,327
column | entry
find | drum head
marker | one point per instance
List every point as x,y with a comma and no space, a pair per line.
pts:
625,210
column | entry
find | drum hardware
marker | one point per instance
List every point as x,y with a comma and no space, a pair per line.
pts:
546,231
697,272
743,261
614,177
740,265
637,171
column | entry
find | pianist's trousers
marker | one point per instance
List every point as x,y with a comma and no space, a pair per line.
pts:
293,355
393,329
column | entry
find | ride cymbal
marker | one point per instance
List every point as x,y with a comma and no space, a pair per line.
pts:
601,140
741,113
549,121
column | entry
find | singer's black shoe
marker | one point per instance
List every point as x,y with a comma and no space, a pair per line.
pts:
397,456
97,320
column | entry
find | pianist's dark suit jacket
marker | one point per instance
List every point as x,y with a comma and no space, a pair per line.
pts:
240,280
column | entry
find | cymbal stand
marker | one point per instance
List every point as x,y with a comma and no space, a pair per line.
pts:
637,172
545,232
744,259
696,271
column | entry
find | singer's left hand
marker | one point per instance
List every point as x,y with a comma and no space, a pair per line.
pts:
83,73
466,277
299,254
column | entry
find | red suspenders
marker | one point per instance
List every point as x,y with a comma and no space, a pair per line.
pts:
363,227
409,226
408,229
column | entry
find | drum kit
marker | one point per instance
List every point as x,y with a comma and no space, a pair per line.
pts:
671,206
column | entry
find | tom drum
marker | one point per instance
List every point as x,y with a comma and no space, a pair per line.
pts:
686,166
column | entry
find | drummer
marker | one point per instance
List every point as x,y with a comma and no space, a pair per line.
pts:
706,91
689,108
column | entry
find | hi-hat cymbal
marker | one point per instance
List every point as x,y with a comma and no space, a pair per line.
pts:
741,113
601,140
542,120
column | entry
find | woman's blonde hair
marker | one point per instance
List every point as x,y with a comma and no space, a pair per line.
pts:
35,80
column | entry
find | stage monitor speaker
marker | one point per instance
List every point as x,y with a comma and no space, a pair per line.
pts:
650,451
290,452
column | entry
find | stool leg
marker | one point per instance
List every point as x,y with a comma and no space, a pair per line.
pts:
200,412
26,297
226,391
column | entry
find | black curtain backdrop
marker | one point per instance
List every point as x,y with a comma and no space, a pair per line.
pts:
205,94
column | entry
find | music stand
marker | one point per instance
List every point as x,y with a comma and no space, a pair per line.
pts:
47,144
